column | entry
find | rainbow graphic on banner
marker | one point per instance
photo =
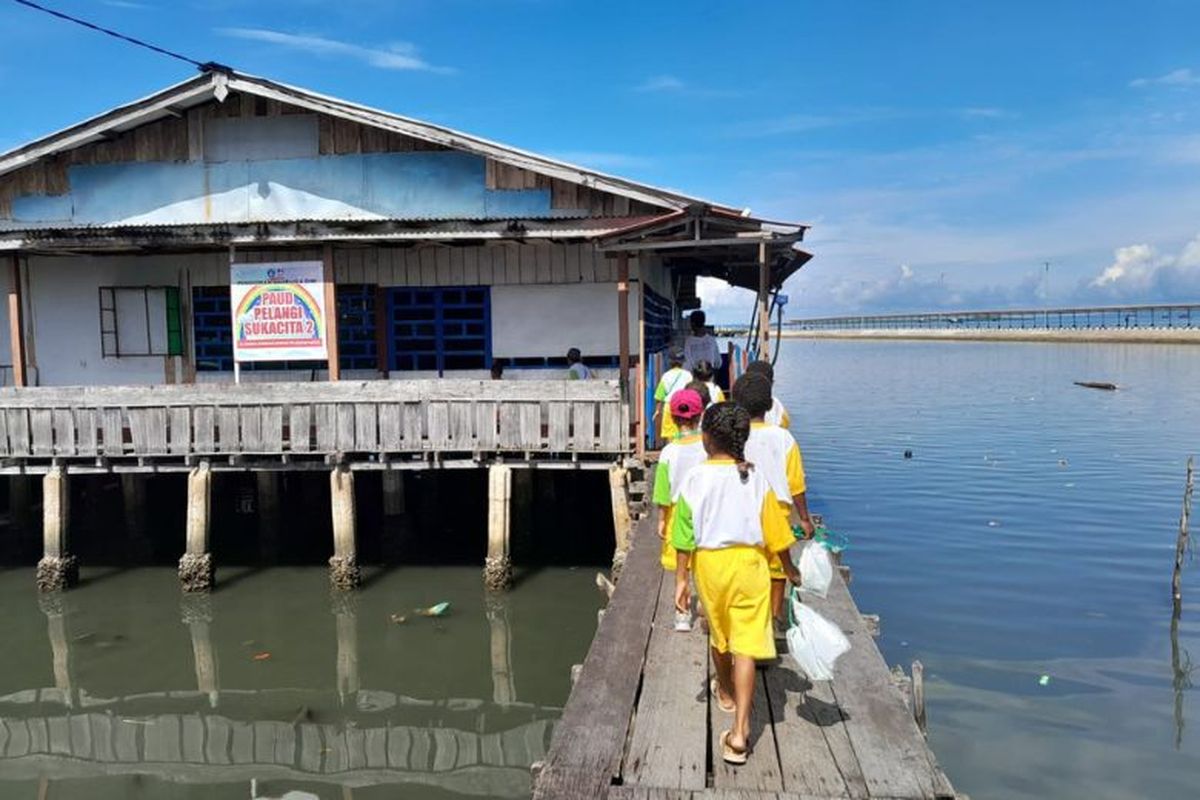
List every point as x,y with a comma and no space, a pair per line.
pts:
284,318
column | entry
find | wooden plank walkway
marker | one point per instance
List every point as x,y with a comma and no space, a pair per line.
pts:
640,725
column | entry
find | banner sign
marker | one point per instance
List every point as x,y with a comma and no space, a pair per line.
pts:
278,311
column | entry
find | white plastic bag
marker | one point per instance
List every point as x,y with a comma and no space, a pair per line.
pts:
816,570
815,642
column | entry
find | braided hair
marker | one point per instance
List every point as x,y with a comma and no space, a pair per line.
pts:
727,427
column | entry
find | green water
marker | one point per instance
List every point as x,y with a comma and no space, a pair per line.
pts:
123,688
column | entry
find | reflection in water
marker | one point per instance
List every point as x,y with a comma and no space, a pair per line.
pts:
1181,676
308,705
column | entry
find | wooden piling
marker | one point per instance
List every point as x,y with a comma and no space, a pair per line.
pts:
497,569
918,694
58,569
343,565
618,485
1181,541
196,571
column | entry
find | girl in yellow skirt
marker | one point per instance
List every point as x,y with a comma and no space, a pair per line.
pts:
725,522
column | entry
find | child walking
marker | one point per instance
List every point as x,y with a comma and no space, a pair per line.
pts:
775,452
778,414
726,519
672,381
676,461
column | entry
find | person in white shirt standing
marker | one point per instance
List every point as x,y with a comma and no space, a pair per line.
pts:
700,345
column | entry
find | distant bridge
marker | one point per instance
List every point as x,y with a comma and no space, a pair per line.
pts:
1183,316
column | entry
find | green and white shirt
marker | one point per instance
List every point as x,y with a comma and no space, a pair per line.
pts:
715,509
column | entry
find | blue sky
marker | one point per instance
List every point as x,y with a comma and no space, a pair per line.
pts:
943,151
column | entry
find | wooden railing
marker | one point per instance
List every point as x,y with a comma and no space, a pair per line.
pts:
361,418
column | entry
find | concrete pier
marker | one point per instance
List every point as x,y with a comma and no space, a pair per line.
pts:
196,570
343,565
58,569
60,648
497,569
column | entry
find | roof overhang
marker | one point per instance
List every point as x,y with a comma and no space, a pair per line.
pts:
709,242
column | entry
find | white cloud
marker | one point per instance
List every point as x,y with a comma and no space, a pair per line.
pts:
985,112
1176,77
661,83
1139,273
398,55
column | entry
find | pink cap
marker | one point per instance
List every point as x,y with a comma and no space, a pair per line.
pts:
686,404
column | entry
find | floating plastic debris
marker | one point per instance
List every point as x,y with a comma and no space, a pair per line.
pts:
1044,680
908,453
399,619
434,611
993,523
263,656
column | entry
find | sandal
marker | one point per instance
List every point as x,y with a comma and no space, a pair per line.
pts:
716,695
731,754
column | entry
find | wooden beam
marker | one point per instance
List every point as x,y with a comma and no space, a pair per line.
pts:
16,323
381,331
696,244
331,315
623,322
764,308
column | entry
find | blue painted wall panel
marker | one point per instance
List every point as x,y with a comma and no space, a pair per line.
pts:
374,186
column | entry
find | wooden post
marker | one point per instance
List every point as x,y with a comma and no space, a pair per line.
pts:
764,308
382,329
618,486
918,694
1182,541
331,314
497,569
16,323
343,565
268,513
196,566
196,613
623,323
58,569
503,687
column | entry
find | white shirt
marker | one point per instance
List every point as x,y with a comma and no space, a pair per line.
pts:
777,415
767,449
725,511
680,458
701,348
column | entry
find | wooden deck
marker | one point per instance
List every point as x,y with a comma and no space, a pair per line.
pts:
365,424
639,724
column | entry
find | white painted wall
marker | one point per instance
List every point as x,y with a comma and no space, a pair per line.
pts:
547,320
64,315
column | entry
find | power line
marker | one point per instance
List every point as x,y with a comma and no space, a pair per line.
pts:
129,39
